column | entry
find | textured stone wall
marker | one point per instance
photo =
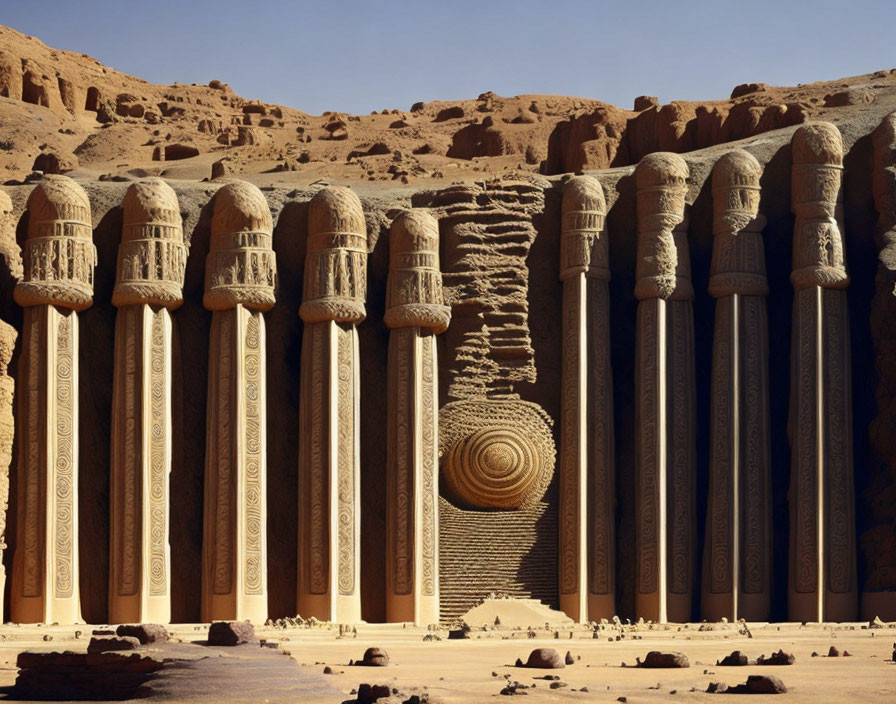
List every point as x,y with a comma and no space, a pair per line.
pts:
500,257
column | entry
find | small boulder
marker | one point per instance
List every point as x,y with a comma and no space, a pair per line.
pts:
569,660
760,684
222,167
545,658
658,659
370,693
230,633
144,632
375,657
736,659
105,644
779,658
833,652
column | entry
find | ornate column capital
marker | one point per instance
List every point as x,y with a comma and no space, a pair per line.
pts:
817,202
151,257
241,268
738,263
58,253
414,290
583,241
661,185
335,284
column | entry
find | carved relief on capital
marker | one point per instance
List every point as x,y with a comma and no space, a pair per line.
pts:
152,257
583,240
663,265
59,255
817,202
738,254
335,284
241,268
414,290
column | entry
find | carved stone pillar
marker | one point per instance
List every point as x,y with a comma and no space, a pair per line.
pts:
737,558
587,486
415,313
8,335
664,393
149,279
822,527
329,464
240,278
59,259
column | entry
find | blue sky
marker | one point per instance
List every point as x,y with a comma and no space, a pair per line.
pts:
357,56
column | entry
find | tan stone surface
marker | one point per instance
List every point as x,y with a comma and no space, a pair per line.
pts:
461,671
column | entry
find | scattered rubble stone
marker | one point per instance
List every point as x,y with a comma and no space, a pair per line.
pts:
658,659
545,658
144,632
230,633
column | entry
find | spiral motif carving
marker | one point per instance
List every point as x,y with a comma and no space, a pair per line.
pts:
492,468
495,454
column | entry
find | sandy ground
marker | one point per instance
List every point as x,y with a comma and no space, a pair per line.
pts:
475,670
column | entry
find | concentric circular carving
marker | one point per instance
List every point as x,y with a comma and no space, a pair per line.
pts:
495,454
492,468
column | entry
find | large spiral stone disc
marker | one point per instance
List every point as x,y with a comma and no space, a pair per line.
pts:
495,454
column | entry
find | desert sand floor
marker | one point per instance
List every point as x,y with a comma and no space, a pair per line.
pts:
475,670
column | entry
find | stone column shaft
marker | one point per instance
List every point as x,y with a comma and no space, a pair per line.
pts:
587,486
241,275
59,258
412,574
45,573
235,542
335,286
822,533
8,336
415,313
329,473
737,557
664,393
140,588
149,277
